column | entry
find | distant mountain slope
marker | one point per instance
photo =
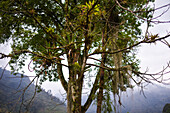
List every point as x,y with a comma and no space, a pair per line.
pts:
9,96
135,102
156,98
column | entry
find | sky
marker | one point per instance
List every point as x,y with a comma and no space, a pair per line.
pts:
152,56
156,56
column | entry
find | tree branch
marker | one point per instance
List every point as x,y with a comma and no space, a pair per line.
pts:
4,56
92,93
108,68
61,76
128,48
148,77
133,12
33,53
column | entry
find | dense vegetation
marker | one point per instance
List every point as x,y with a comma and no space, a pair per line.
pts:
11,94
166,108
54,34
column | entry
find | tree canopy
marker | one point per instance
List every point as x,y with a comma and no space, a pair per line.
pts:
105,32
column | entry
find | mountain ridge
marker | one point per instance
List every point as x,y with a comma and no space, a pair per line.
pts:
11,87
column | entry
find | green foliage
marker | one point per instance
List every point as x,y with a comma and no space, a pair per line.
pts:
46,30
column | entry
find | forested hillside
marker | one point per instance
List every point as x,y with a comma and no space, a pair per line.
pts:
11,95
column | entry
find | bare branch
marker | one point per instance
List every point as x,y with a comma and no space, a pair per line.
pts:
22,103
3,71
161,7
143,18
158,77
4,56
162,13
31,100
129,10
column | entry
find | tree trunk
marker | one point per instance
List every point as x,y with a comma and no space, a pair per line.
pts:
74,86
101,84
100,94
69,98
76,95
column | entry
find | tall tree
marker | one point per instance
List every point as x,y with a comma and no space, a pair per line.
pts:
50,31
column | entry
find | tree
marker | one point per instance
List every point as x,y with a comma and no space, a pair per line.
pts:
50,31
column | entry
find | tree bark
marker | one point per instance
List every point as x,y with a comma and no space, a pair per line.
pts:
100,94
101,84
76,95
74,85
61,76
69,98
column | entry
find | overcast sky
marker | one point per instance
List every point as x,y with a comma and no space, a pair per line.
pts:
152,56
156,56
